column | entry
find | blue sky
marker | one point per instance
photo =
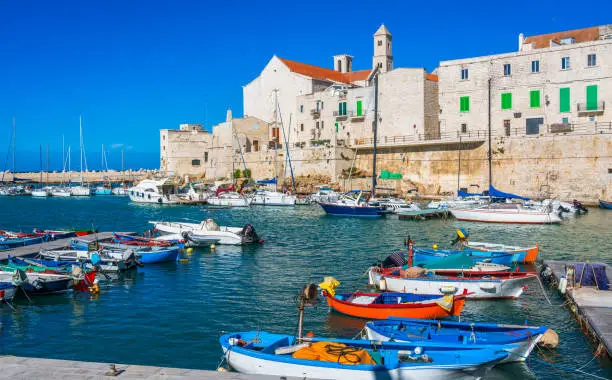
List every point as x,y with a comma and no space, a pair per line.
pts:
134,67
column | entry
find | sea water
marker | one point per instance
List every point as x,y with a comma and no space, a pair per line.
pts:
172,314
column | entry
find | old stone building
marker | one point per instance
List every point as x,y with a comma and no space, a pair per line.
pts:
185,151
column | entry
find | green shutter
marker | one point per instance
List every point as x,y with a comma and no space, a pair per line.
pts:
359,108
564,99
534,99
506,101
464,104
336,127
344,108
340,109
591,95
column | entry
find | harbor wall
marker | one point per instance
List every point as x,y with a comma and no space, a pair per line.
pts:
568,167
90,176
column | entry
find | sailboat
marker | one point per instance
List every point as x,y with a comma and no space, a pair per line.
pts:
63,190
265,197
103,189
41,192
122,190
81,190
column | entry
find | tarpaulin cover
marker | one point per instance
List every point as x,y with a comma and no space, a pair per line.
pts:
335,353
266,181
592,275
461,193
494,193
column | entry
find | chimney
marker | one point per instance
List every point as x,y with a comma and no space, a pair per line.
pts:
228,116
521,41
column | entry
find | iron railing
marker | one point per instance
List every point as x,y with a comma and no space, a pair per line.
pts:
591,107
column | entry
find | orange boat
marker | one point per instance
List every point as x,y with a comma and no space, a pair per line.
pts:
401,305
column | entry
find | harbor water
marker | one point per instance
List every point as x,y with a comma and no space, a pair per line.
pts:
172,314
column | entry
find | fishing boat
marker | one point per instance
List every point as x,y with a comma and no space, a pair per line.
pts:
153,191
427,255
144,254
211,230
518,340
507,213
479,285
352,204
263,353
133,240
7,291
229,199
97,259
389,304
521,254
605,204
44,281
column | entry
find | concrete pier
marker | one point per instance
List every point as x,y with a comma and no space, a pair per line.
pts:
31,250
592,307
14,367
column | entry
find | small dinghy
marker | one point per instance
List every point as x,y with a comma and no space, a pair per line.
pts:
262,353
41,280
519,341
385,305
97,259
208,229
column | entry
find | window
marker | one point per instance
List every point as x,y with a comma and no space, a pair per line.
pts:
506,101
205,156
322,104
532,126
464,128
317,125
565,120
301,108
359,108
340,65
379,42
564,99
507,127
322,124
464,104
591,97
591,60
255,146
535,66
565,63
342,109
464,74
534,99
195,162
507,70
301,127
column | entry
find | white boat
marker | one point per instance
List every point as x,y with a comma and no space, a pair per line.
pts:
324,193
60,192
229,199
153,191
209,231
484,286
458,203
41,193
507,213
103,262
394,205
272,198
80,191
120,191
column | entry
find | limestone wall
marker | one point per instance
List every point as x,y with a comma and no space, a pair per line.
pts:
570,167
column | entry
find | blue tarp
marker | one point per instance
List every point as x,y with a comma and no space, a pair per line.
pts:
494,193
592,275
267,181
466,194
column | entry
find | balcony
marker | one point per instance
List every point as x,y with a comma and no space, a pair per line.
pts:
450,138
354,117
340,117
588,128
591,108
315,112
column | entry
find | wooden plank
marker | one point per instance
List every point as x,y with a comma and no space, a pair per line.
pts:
34,368
31,250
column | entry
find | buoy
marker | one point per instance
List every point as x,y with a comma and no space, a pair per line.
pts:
550,339
94,289
212,247
221,369
183,260
435,246
563,284
189,250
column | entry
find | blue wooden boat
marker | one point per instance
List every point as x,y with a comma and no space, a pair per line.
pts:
145,255
518,340
262,353
352,204
156,256
605,204
425,255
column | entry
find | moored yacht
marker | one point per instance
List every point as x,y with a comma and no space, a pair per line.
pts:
272,198
229,199
153,191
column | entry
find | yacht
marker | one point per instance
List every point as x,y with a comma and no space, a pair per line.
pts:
272,198
324,193
229,199
60,191
80,191
153,191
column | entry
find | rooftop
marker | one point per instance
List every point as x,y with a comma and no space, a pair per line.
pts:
580,35
321,73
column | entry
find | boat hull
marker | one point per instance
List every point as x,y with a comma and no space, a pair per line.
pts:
225,235
505,216
605,204
273,199
524,255
160,256
481,288
42,283
7,291
40,193
424,310
347,210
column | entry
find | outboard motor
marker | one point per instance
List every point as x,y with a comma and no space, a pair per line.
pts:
579,206
395,259
249,236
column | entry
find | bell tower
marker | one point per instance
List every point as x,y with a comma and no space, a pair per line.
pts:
383,56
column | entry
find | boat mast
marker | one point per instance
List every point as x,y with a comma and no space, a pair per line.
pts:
275,138
459,165
374,128
286,139
233,151
47,171
41,166
490,153
81,145
122,168
14,147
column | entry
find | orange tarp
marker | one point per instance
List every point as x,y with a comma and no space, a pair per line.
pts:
334,352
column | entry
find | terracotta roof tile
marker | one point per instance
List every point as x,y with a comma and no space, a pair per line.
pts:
322,73
432,77
580,35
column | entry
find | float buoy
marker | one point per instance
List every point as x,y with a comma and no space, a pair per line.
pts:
189,251
212,247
